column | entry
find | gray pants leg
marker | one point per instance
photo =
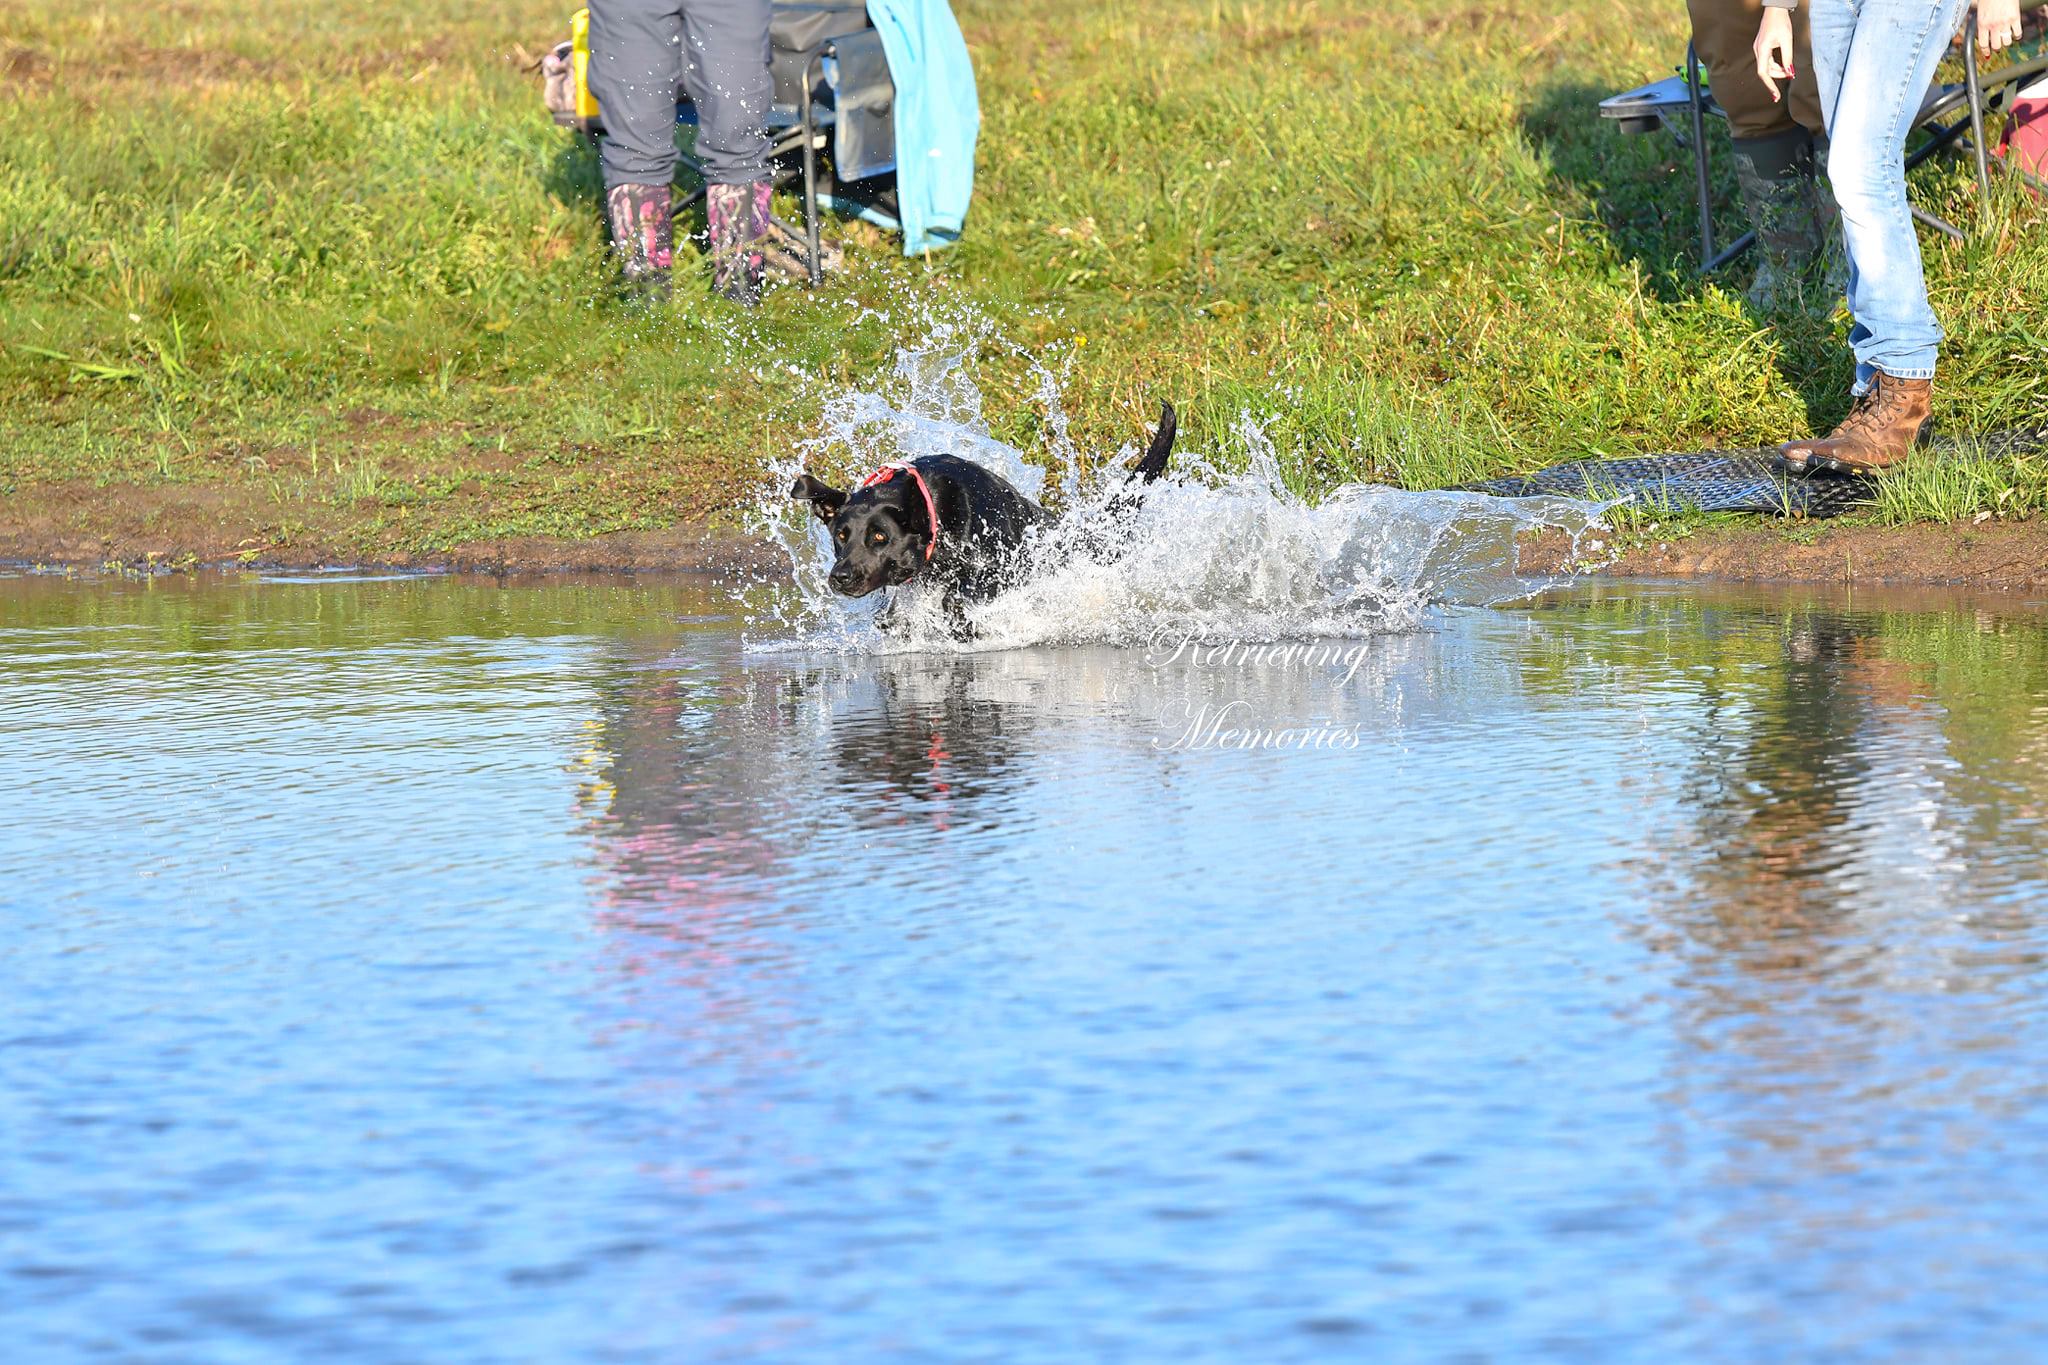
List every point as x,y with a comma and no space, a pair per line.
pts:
729,83
643,51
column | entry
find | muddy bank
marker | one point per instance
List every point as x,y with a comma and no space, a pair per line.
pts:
2005,556
200,526
696,547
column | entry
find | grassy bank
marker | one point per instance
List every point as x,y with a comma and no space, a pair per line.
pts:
319,274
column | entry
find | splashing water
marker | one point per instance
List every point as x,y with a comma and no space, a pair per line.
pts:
1218,554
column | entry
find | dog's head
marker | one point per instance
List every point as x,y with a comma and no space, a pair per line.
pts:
879,532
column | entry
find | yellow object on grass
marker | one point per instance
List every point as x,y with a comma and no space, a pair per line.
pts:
587,112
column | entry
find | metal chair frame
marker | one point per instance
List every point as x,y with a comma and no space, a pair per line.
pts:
805,133
1977,94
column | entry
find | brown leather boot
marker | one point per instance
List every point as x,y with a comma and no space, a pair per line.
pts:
1887,423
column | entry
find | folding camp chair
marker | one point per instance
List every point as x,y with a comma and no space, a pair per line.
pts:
1649,108
833,92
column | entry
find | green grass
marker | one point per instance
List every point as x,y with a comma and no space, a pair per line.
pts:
336,261
1972,485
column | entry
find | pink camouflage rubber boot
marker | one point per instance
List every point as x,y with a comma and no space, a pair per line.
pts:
643,239
738,218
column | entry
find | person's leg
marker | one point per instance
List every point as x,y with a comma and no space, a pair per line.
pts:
1771,142
1874,60
728,80
635,70
1802,98
1893,49
1831,25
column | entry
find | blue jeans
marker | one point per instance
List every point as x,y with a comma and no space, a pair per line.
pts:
1874,60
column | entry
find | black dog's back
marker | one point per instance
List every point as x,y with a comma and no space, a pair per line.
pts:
983,520
945,518
994,510
976,503
993,516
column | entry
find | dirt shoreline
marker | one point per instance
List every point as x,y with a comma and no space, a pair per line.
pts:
1997,555
2001,556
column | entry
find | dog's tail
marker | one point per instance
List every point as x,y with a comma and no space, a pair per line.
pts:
1154,463
1126,500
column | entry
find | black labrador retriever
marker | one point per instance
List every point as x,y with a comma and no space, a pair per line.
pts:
941,518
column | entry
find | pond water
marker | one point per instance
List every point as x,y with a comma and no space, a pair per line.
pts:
452,969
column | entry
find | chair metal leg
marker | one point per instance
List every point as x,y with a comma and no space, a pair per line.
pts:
813,69
1941,225
1699,157
1939,138
1975,92
1729,253
696,168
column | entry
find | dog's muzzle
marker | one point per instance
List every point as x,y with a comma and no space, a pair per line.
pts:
848,584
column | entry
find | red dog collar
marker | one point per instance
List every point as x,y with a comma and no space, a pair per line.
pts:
931,509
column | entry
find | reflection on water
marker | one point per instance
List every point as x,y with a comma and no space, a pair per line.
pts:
445,969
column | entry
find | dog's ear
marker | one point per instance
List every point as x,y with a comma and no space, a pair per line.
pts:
823,498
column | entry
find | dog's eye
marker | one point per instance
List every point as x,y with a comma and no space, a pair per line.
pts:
877,537
843,534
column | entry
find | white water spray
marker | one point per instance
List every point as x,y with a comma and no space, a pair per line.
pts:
1222,554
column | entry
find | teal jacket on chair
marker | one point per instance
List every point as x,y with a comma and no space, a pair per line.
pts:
937,117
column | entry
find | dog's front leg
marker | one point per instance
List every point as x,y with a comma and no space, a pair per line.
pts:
956,617
889,616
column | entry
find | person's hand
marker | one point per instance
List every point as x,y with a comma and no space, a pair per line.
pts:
1998,25
1774,47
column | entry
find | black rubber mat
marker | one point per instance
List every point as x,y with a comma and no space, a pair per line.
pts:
1732,480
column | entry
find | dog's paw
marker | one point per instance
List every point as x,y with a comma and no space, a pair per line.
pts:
957,622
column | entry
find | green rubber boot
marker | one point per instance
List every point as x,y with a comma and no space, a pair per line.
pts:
1775,176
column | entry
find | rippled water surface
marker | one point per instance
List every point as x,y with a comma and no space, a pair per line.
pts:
435,969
